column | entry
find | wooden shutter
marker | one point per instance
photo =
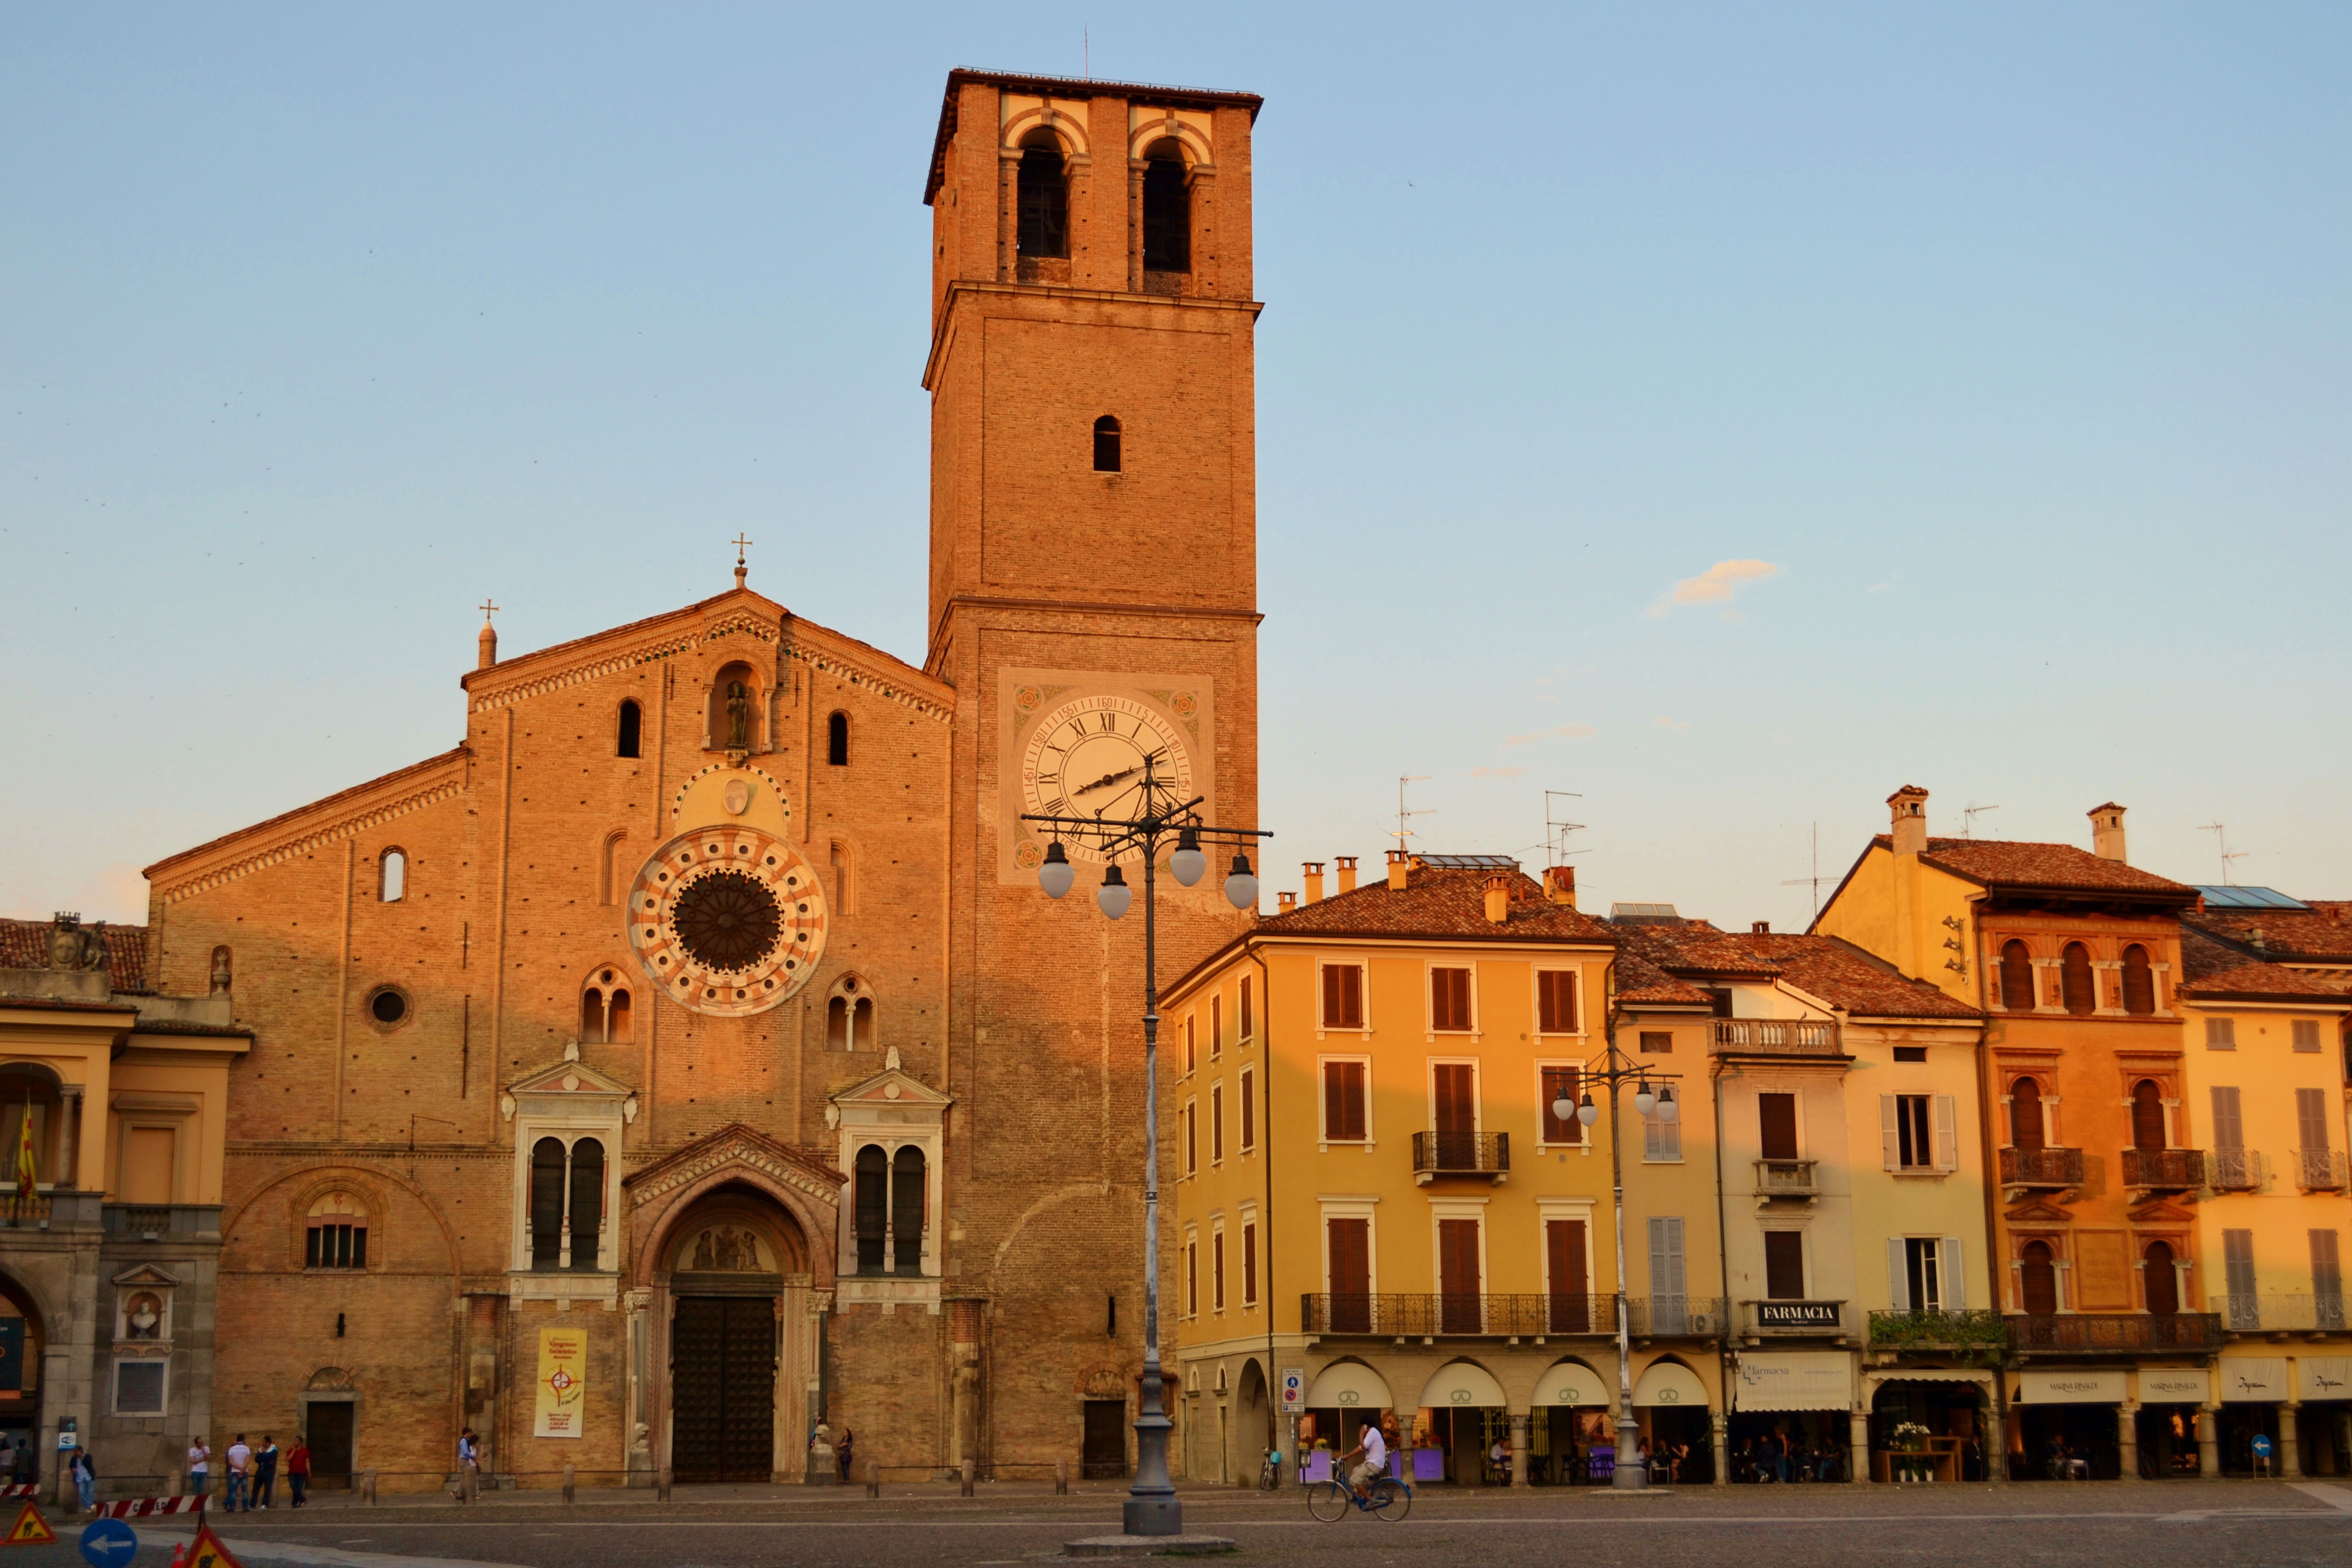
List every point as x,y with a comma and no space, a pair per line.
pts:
1947,1134
1217,1270
1556,1001
1898,1274
1667,1256
1955,1278
1191,1279
1784,1265
1457,1103
2026,1129
1449,999
2228,1129
1249,1110
2076,985
1343,1102
1246,1032
1192,1137
2238,1261
1349,1242
1249,1265
2311,1118
1890,1133
1216,1027
1343,996
1561,1083
1571,1311
2326,1268
2038,1280
1458,1282
1216,1122
2016,978
2148,1116
1777,1114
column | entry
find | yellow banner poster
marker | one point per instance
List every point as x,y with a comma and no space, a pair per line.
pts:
563,1382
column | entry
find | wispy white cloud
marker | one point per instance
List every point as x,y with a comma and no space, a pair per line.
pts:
1716,584
1496,772
1662,722
1573,732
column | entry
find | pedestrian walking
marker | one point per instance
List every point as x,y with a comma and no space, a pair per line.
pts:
240,1476
842,1450
265,1472
297,1469
85,1477
199,1466
469,1464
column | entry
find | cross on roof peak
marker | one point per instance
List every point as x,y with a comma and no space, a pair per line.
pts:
741,545
489,608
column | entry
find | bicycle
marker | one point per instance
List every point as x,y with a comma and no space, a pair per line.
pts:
1386,1498
1269,1474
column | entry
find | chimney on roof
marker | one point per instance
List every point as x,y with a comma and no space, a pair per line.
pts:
1559,885
2107,833
1499,899
1314,882
1400,865
1284,902
1910,807
1761,927
1347,873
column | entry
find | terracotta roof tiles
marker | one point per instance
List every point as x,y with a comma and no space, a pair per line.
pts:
2014,863
2322,935
25,944
2212,971
1442,903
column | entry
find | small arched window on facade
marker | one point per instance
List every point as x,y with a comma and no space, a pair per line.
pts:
605,1008
2163,1279
2078,986
336,1234
2027,1129
2016,977
629,741
849,1016
567,1203
1167,210
872,1200
907,1211
837,739
392,876
1044,198
844,865
613,870
2147,1115
2139,981
2037,1279
1107,454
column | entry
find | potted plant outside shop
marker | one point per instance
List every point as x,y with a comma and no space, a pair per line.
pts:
1909,1458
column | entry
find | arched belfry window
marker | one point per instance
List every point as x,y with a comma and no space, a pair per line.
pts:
2139,981
2016,977
1167,210
1044,198
837,739
629,741
1107,454
392,876
849,1016
335,1236
2077,984
607,1010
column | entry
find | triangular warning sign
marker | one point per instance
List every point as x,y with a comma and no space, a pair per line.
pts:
206,1551
30,1529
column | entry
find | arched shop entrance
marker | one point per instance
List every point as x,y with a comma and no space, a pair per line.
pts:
1952,1411
21,1344
1672,1413
1344,1398
1462,1419
1571,1414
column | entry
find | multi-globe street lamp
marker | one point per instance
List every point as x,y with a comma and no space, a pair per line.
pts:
1152,1508
1652,1094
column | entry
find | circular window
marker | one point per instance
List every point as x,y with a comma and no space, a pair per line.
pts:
388,1006
728,920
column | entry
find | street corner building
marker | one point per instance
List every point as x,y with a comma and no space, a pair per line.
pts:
688,1056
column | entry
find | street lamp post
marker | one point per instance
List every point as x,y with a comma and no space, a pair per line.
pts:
1152,1508
1616,1069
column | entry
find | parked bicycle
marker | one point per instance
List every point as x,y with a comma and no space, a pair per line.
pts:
1386,1498
1269,1474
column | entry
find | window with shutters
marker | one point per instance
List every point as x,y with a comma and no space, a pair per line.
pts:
1191,1274
1661,1140
2237,1273
2229,1127
1776,1116
1216,1027
1923,1273
1248,1019
1345,1113
2037,1279
2327,1278
1667,1274
2139,981
1568,1277
1348,1271
1459,1272
1192,1044
1914,1142
1449,1001
1556,1001
1560,1082
2220,1034
1249,1263
1192,1137
2305,1033
1217,1123
1453,1100
2077,986
2028,1126
1217,1269
2311,1120
1248,1109
2016,977
1657,1042
1784,1265
1343,996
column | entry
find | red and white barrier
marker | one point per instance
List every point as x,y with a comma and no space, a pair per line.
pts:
22,1488
144,1506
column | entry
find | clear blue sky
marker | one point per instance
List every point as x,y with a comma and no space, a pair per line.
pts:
2015,342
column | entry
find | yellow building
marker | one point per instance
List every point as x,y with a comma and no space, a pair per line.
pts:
1377,1216
2264,1064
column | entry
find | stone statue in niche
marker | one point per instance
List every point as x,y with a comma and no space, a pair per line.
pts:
723,1250
75,946
142,1316
739,717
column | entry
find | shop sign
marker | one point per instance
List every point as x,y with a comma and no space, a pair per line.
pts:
2253,1379
2172,1385
1811,1315
2104,1386
2324,1376
1794,1379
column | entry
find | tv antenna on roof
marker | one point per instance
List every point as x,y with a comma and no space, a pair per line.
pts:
2221,841
1969,819
1558,828
1403,832
1816,879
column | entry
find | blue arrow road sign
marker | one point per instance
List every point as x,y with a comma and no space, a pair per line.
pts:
108,1543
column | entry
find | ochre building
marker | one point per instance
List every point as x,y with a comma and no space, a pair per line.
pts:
688,1055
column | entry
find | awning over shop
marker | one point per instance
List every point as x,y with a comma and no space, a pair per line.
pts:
1461,1383
2083,1386
2256,1379
1349,1385
1570,1383
1931,1375
1794,1380
1670,1382
2174,1385
2322,1377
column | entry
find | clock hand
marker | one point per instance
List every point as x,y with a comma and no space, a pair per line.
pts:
1108,779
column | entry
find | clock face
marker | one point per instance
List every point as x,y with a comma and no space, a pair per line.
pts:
1098,748
729,920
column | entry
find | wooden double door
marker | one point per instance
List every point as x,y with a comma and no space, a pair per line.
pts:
723,1389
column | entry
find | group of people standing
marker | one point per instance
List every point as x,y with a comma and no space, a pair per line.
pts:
252,1478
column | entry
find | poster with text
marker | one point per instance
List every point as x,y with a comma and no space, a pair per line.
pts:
562,1380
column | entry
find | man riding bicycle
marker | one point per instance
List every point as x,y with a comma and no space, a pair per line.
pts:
1374,1447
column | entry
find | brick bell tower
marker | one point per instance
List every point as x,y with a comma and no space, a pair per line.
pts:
1093,602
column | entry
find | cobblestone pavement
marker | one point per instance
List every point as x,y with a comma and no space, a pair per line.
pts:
2190,1524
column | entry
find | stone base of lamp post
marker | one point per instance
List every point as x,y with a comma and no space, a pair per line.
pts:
1147,1545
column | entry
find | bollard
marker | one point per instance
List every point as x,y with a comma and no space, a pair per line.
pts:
661,1487
874,1477
965,1488
367,1484
567,1483
1061,1478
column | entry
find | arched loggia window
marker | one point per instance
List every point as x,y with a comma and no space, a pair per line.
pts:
1167,210
890,1198
2037,1277
2077,985
567,1203
392,876
2016,977
1044,198
2027,1127
2139,981
628,743
2148,1116
837,739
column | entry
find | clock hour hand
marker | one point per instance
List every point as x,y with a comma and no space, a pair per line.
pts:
1106,779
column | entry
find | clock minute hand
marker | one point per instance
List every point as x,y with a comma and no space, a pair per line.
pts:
1106,779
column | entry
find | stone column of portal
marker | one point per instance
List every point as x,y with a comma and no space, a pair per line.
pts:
639,1460
1520,1448
69,1136
2127,1441
2290,1440
1721,1423
1857,1437
2208,1441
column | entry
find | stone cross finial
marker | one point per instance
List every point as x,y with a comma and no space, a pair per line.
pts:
741,545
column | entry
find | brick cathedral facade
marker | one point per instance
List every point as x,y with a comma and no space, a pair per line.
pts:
691,1045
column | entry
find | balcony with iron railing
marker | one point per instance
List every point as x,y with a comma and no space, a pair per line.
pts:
2319,1170
1939,1329
162,1222
2041,1167
2164,1170
1785,1179
1777,1038
2254,1312
1766,1319
2112,1333
1405,1315
1437,1154
2234,1171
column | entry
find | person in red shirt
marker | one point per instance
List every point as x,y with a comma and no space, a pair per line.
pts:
297,1469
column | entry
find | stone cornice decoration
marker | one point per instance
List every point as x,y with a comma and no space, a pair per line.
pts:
597,665
146,1274
832,663
321,828
892,1087
734,1144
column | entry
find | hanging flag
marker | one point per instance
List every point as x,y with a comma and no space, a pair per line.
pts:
27,1176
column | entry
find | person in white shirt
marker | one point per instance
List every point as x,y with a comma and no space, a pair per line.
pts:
240,1460
1374,1447
200,1464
